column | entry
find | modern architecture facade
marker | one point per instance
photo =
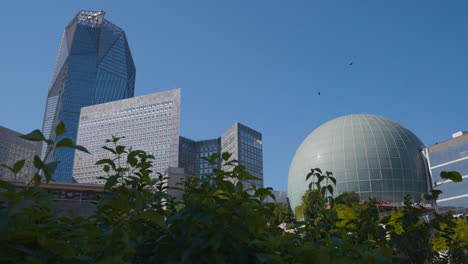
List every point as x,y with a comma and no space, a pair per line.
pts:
94,66
371,155
450,155
191,155
244,143
149,123
12,149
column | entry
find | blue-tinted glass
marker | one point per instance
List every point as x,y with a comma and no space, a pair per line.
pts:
94,66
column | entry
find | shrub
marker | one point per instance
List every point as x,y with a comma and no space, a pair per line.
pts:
218,220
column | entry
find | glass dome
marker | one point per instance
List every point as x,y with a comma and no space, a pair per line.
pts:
371,155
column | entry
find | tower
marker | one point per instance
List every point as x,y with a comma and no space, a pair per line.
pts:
94,66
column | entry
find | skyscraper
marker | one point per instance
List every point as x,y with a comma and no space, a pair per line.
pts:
451,155
244,143
149,123
94,66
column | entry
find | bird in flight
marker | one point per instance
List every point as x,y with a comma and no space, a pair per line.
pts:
350,64
318,93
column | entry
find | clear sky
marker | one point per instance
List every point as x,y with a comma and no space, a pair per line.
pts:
262,63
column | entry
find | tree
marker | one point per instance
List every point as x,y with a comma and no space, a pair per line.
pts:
217,221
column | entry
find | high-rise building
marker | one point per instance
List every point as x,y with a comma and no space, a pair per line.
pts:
94,66
12,149
149,123
451,155
191,155
244,143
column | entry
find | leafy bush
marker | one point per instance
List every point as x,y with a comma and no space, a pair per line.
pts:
218,220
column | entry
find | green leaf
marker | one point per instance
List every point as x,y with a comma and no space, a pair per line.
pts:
106,168
154,217
18,166
120,149
434,195
320,178
109,149
451,175
225,156
37,178
36,135
114,139
131,158
8,167
113,180
49,170
60,129
38,163
7,186
68,143
332,179
52,166
106,161
82,149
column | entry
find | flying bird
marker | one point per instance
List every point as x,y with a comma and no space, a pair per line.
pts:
350,64
318,93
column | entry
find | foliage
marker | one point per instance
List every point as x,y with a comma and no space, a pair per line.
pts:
218,220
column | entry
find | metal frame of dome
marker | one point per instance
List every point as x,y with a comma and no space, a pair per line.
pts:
371,155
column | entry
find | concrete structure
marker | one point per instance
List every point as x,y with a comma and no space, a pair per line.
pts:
371,155
94,66
149,123
451,155
66,197
175,179
244,143
12,149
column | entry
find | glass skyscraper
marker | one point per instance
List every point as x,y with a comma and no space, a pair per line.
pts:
244,143
451,155
94,66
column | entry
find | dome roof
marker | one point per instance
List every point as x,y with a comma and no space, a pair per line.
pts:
371,155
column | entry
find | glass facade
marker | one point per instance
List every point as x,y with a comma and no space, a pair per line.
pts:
191,154
368,154
451,155
250,147
244,143
94,66
149,123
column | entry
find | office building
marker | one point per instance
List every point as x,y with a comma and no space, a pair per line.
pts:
371,155
451,155
244,143
191,155
12,149
94,66
149,123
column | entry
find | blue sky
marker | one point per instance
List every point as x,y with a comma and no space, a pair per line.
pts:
262,63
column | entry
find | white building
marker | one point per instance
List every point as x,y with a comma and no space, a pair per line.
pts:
150,123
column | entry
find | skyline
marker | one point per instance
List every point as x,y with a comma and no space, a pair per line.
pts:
276,57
